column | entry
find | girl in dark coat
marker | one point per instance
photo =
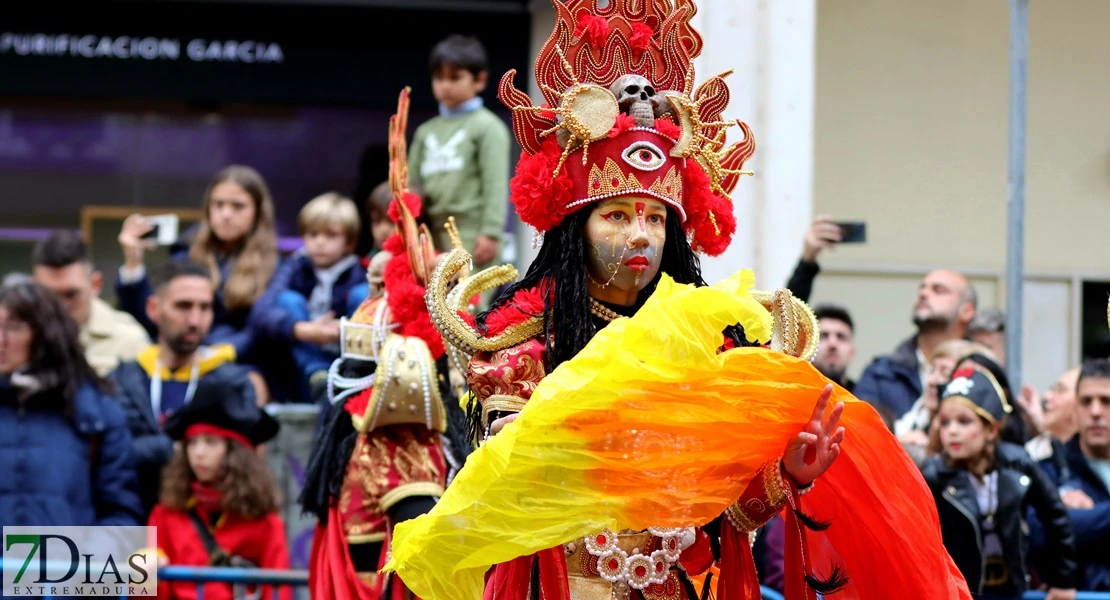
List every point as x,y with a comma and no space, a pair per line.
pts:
983,488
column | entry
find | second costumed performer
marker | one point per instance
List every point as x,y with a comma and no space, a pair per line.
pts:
655,431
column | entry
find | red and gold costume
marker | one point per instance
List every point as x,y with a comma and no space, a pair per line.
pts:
655,440
394,410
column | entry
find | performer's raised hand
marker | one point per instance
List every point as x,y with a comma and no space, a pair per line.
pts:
813,450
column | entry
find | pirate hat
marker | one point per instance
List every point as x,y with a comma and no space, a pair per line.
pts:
224,411
980,391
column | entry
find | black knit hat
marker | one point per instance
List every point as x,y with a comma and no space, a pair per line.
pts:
222,410
980,391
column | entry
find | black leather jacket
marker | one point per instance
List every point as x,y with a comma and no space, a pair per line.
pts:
1021,485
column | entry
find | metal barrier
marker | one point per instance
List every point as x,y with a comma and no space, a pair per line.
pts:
769,594
234,575
298,578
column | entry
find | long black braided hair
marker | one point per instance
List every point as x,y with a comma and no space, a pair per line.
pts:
562,262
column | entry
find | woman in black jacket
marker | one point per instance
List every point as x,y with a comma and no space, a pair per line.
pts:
983,487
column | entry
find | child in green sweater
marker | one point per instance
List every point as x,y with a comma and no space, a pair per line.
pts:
460,159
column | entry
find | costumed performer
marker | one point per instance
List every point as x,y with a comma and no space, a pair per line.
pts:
649,448
382,456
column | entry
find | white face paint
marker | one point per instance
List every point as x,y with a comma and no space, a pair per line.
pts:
625,238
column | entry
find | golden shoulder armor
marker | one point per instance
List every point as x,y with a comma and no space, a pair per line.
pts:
406,388
795,330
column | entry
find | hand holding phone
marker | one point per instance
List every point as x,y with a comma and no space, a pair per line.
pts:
163,229
852,232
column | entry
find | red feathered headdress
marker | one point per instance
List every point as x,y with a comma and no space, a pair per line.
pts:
406,274
626,121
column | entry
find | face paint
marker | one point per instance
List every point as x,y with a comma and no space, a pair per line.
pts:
625,240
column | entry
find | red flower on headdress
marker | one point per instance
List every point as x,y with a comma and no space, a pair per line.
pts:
710,235
623,123
406,303
393,244
668,128
411,200
640,39
593,29
539,196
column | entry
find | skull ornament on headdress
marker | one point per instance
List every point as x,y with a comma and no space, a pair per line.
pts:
623,118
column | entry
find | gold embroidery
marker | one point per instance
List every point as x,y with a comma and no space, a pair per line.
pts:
669,186
368,471
412,459
773,486
740,519
408,490
512,372
795,330
610,181
502,403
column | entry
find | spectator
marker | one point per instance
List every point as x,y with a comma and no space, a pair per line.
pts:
912,429
218,485
983,487
319,283
62,265
235,241
1016,428
838,346
989,329
1086,492
377,208
165,376
1059,406
822,234
945,305
65,454
461,157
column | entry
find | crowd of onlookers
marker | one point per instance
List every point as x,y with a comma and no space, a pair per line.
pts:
150,411
1021,478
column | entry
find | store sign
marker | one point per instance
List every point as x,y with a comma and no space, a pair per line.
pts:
140,48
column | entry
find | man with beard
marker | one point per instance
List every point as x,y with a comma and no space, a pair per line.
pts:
164,377
945,305
838,346
1085,487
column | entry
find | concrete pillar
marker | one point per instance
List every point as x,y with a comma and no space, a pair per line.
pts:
770,48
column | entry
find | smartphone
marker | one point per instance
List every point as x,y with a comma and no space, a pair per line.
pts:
852,232
163,230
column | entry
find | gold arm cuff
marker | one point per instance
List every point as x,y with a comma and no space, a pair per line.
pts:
365,538
408,490
773,485
740,519
776,493
503,403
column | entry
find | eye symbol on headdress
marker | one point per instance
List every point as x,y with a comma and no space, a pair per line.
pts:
645,156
